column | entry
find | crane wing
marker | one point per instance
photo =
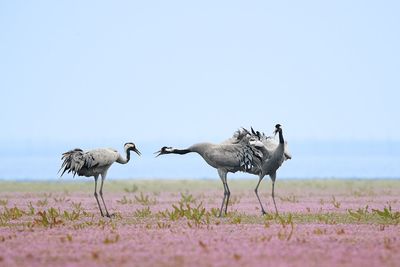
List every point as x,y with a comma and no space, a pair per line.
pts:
233,156
236,137
74,160
103,156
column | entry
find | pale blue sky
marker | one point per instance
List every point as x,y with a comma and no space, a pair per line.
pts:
99,72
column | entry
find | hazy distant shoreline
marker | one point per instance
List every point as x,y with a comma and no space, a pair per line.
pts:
311,159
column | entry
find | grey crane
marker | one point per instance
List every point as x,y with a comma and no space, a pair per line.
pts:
94,163
233,157
274,154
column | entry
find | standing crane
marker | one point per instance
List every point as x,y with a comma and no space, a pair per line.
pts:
239,156
94,163
274,154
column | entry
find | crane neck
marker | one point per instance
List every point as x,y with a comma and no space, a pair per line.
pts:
181,151
121,160
281,140
197,148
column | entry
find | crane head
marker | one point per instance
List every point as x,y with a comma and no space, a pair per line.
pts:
277,128
131,146
164,150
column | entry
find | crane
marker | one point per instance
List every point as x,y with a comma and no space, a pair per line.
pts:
231,157
274,154
94,163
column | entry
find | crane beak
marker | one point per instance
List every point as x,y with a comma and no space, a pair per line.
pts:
137,151
159,152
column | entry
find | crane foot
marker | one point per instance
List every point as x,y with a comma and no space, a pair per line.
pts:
110,215
263,212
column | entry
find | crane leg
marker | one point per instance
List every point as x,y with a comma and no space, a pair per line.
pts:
227,198
95,195
103,176
273,196
223,201
259,200
222,175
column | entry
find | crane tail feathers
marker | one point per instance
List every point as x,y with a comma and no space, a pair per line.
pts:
73,161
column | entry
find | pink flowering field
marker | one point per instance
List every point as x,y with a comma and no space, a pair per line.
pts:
174,223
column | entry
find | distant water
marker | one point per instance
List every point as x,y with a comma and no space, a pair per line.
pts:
339,159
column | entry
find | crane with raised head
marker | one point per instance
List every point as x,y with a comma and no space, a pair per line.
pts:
274,154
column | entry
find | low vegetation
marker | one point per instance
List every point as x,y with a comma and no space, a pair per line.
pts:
184,215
